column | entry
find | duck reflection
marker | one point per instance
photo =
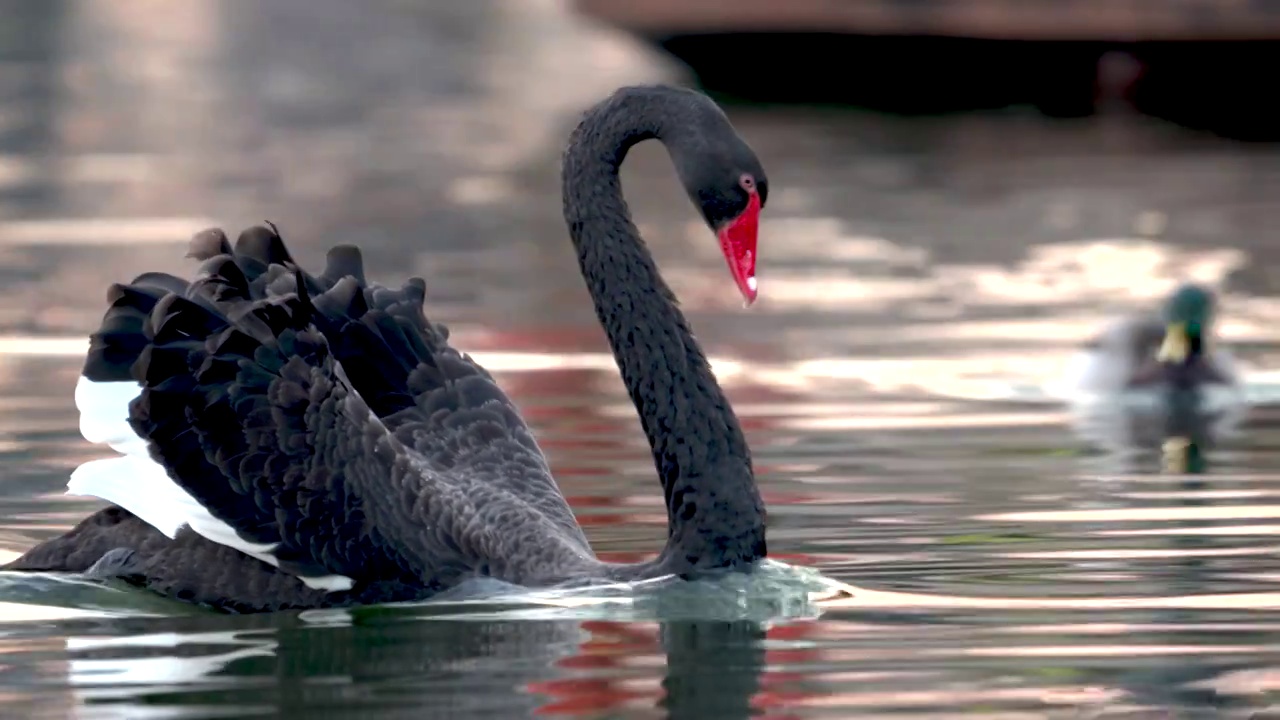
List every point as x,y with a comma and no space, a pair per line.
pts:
1188,432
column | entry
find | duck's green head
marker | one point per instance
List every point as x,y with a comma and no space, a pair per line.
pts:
1188,316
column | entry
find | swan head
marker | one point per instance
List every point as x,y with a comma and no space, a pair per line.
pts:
726,181
1188,317
738,234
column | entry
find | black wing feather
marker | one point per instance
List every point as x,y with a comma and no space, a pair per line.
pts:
258,421
434,398
325,417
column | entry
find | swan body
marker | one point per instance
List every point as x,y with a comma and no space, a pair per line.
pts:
297,440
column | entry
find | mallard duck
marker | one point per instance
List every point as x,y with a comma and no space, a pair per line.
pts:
1158,379
1174,348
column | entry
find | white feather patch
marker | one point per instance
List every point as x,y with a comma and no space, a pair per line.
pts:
142,486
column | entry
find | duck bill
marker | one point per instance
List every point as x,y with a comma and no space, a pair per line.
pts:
1176,345
738,243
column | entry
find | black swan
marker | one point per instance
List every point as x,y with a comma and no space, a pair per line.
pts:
301,441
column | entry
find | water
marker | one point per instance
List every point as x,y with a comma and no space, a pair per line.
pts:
922,283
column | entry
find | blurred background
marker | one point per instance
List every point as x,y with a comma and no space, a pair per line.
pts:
962,192
1190,61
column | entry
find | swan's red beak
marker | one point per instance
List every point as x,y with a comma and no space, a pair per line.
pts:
738,243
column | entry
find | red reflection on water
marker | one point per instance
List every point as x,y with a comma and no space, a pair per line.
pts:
612,647
610,669
796,558
778,687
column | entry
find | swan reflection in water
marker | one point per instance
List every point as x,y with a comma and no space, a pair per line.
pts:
325,663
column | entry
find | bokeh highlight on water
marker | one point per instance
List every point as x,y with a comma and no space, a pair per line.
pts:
922,283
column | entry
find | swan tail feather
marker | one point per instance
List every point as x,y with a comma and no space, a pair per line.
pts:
218,399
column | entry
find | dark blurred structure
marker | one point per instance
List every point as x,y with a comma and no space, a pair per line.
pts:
1057,20
1193,62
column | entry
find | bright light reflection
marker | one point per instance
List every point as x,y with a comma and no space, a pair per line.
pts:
1171,514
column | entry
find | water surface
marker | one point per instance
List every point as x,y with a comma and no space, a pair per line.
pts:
922,282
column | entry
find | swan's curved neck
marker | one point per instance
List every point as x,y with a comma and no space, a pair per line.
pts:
714,510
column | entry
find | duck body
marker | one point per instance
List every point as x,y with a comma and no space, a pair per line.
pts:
1158,379
1171,347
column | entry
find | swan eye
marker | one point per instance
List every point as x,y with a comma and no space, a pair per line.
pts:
747,182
